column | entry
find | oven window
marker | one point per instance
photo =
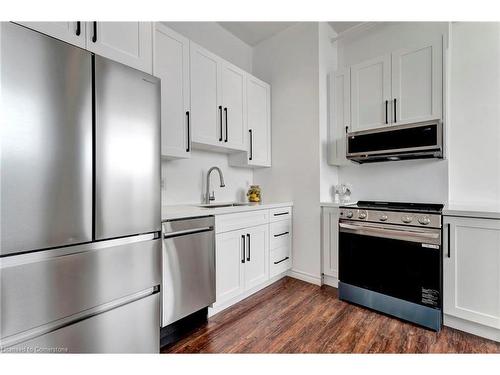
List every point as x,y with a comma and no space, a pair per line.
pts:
401,269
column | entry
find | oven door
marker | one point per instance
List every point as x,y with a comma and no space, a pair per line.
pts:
402,262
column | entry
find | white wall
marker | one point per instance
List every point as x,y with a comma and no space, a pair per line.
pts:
184,180
218,40
474,134
289,62
412,180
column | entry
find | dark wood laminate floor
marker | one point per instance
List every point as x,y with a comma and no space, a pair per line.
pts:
292,316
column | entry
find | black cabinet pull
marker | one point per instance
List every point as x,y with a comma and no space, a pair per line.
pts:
78,28
281,234
225,113
282,260
220,119
243,249
449,237
248,238
251,144
94,37
395,110
188,148
386,105
281,213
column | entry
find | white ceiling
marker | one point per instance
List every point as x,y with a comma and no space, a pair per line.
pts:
253,33
340,27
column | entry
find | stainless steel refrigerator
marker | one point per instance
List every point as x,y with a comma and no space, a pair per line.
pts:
80,248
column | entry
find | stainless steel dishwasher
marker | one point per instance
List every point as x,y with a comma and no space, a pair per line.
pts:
188,267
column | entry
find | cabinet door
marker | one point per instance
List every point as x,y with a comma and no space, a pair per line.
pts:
259,122
129,43
70,32
171,64
330,241
417,83
472,270
206,110
371,93
256,256
233,91
339,115
230,279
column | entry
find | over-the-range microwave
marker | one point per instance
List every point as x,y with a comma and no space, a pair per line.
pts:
412,141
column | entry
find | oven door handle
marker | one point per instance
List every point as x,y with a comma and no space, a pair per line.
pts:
406,235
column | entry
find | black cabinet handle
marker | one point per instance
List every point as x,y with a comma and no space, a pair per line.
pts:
94,37
248,238
449,236
386,105
188,148
78,28
282,260
281,213
225,113
281,234
251,144
220,119
395,120
243,249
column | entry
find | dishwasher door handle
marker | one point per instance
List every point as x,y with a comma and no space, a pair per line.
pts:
187,232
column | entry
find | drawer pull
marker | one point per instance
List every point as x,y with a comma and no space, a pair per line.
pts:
281,213
282,260
281,234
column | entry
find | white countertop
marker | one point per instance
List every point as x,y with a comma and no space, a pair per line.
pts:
489,211
334,204
191,210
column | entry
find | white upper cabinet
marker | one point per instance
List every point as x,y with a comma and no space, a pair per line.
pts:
206,107
171,65
233,87
258,119
130,43
70,32
370,93
417,84
472,270
339,91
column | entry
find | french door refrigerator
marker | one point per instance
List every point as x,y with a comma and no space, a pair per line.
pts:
80,248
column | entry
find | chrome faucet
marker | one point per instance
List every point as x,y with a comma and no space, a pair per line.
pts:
211,197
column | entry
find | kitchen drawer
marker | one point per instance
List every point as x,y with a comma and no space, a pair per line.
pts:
278,214
280,261
280,233
229,222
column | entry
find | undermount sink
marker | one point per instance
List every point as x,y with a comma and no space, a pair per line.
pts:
220,205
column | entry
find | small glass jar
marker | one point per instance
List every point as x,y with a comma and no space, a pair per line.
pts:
253,194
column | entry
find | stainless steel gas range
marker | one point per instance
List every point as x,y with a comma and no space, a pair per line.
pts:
390,259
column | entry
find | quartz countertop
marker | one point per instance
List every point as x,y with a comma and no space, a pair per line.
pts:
488,211
335,204
170,212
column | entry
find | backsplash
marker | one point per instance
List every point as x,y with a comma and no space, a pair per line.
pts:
183,180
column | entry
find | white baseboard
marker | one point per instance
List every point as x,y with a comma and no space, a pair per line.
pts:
330,280
217,308
304,276
471,327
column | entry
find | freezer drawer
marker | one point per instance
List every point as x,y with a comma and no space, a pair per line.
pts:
131,328
127,154
42,287
188,267
45,142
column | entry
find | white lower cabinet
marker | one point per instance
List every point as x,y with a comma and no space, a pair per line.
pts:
251,252
472,270
330,246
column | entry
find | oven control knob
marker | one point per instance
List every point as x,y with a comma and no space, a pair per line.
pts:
362,215
424,220
349,214
406,219
383,218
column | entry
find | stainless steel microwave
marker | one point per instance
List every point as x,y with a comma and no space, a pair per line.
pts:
412,141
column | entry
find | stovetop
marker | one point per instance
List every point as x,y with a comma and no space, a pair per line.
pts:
398,206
